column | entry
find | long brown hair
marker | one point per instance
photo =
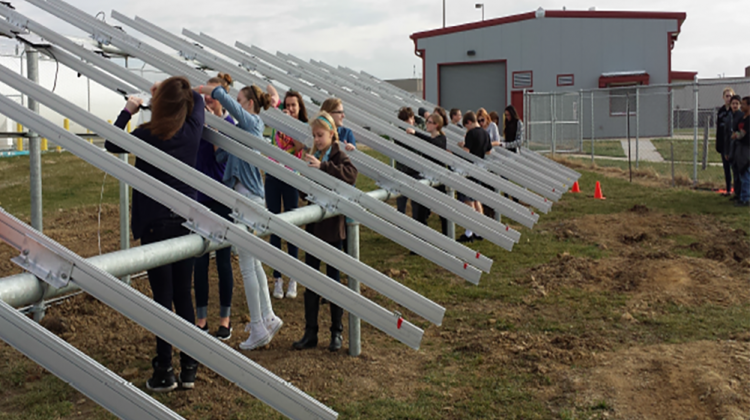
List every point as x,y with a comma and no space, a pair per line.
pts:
302,116
223,79
438,121
170,106
260,99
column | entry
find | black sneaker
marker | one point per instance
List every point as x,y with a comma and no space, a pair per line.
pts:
203,328
463,238
163,379
477,238
187,376
224,333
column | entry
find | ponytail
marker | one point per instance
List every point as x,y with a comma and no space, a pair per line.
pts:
260,99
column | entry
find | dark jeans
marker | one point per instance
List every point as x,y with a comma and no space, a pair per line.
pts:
223,266
171,284
312,299
401,204
276,192
728,173
421,213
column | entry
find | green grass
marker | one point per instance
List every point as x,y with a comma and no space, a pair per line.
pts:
683,150
453,383
604,148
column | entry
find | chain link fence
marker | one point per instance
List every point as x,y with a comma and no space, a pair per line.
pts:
659,130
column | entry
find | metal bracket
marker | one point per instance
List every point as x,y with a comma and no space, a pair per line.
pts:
327,203
389,186
43,263
189,56
101,37
249,216
248,65
205,226
16,20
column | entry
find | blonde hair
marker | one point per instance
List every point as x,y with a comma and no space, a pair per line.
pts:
481,112
325,121
727,89
438,121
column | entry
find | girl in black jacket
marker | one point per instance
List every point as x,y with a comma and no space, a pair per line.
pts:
723,131
437,138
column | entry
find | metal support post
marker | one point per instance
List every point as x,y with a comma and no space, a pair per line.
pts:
35,153
352,240
580,121
637,124
671,113
451,225
552,122
124,215
695,133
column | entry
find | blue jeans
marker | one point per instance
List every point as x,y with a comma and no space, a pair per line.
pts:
277,192
223,266
745,191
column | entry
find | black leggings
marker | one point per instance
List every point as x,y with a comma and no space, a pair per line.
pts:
223,266
312,299
171,284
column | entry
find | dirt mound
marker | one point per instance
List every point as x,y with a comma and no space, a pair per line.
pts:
685,259
701,380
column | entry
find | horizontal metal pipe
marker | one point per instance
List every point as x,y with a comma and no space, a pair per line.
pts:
25,289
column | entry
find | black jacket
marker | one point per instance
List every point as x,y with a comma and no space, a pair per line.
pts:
723,129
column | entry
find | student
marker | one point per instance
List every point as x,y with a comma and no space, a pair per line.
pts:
437,138
741,154
731,120
444,115
477,142
495,118
245,179
483,119
723,132
423,113
175,128
279,192
208,165
406,115
328,156
335,108
456,117
513,130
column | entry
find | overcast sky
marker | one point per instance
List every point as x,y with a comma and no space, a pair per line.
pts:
374,35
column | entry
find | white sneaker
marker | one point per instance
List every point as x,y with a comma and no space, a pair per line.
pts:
291,291
259,336
273,324
278,288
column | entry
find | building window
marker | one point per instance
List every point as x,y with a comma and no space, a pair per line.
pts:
565,80
621,99
523,79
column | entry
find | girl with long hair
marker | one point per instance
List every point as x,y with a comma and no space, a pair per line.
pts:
484,120
437,138
513,131
175,128
246,179
328,156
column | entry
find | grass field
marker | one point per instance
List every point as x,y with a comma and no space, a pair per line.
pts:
560,329
683,150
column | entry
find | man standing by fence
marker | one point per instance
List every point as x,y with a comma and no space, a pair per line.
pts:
742,153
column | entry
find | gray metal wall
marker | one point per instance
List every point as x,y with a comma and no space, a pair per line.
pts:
584,47
471,86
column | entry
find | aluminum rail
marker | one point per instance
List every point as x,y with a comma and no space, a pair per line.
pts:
387,111
168,64
212,226
66,362
24,289
279,121
357,103
574,176
411,158
544,165
55,264
471,274
245,209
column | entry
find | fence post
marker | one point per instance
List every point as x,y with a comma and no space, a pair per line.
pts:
552,120
19,140
526,116
592,127
637,124
671,112
695,133
580,121
352,240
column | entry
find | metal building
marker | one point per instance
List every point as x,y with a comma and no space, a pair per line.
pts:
490,63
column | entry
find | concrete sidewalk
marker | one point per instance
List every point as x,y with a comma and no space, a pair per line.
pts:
646,150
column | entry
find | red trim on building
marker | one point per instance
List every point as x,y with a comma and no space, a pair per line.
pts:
513,77
458,63
636,79
682,75
679,16
572,78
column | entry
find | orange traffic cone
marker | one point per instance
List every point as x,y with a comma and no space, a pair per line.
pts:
575,188
598,192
